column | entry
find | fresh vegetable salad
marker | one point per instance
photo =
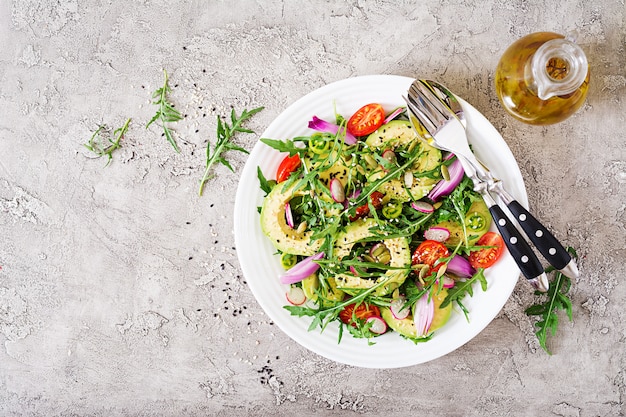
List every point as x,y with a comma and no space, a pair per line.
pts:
375,229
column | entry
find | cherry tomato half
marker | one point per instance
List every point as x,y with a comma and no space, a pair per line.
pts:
287,166
486,257
362,211
366,120
361,311
429,252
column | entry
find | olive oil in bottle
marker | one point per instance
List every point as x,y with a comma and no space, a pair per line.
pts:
542,78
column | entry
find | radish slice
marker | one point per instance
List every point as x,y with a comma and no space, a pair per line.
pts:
296,296
389,155
378,325
424,313
447,282
422,206
460,267
440,234
337,191
398,308
408,179
302,269
289,215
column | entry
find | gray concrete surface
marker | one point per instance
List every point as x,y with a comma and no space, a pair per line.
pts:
120,290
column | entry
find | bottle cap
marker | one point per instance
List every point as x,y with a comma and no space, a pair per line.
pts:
559,67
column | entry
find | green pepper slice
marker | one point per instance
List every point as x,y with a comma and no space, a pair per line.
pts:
319,144
392,210
288,260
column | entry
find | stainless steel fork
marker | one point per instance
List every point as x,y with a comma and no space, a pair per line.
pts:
542,238
446,132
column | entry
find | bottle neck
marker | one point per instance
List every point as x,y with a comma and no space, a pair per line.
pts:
559,67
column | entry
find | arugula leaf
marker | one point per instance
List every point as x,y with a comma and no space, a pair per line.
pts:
266,186
282,146
557,299
458,292
223,143
97,145
166,112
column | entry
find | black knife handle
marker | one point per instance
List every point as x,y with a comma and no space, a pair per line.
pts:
518,247
546,243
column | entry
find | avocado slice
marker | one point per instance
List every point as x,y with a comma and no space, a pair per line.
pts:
340,169
398,249
311,287
399,133
275,227
406,327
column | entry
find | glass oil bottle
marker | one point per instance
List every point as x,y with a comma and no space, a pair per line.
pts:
542,78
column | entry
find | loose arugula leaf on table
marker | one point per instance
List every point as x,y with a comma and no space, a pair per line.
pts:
557,299
98,146
166,112
223,143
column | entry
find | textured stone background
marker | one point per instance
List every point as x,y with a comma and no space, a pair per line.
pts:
120,290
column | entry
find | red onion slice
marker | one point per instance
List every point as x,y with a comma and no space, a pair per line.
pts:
394,114
289,215
460,267
424,313
324,126
443,187
302,269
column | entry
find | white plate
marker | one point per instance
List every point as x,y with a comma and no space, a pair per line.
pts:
261,267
